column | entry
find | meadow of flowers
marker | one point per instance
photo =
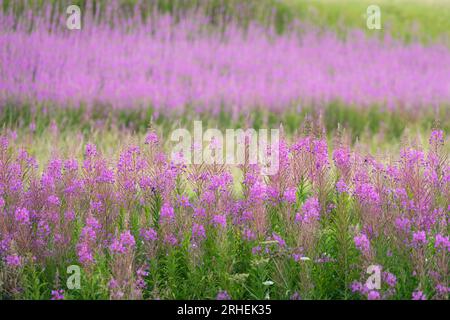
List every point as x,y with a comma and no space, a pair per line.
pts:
364,168
170,63
142,227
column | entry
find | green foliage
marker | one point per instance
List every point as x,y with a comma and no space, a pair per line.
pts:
405,19
357,121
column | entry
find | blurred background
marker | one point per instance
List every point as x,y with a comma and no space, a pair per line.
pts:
253,63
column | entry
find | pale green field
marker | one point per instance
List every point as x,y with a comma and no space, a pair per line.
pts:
408,19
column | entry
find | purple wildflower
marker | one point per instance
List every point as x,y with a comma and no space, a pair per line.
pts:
362,243
13,260
419,238
57,295
149,234
198,232
373,295
418,295
220,220
22,216
123,244
223,295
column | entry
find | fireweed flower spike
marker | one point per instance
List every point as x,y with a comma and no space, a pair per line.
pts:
362,243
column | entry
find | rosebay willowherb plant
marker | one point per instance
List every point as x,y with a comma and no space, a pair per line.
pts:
178,63
142,227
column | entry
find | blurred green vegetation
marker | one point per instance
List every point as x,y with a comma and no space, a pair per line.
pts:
219,12
407,19
391,124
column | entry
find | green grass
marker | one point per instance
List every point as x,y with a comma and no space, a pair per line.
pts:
357,121
407,19
372,129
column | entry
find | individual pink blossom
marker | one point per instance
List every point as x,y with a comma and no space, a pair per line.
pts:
13,260
22,216
418,295
57,294
220,220
362,243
